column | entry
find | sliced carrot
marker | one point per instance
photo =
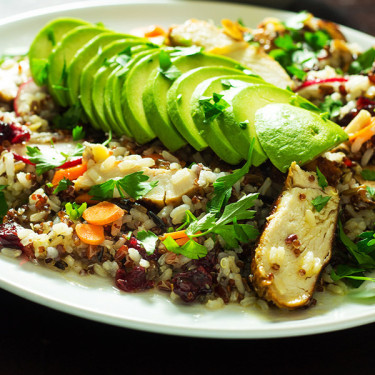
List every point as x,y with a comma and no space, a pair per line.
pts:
174,235
103,213
153,31
90,234
366,133
86,197
69,173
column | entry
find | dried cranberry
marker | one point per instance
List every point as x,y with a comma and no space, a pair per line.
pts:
191,284
367,104
9,237
133,281
13,133
208,262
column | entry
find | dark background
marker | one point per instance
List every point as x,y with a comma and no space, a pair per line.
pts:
38,340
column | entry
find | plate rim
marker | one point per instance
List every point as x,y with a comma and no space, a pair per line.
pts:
158,327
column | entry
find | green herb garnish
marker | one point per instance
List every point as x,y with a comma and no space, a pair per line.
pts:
63,185
3,203
191,249
320,202
212,107
322,181
368,174
78,133
70,118
134,185
331,106
148,240
44,163
166,68
364,62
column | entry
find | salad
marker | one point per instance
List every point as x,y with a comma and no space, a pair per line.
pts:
217,164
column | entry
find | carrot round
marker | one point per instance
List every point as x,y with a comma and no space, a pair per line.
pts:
90,234
103,213
69,173
85,197
364,133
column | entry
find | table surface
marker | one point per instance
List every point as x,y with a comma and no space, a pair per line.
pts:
38,340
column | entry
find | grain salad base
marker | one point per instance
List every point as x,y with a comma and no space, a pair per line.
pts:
47,235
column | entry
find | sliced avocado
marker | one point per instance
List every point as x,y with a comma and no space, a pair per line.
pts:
113,90
87,76
106,118
179,96
237,121
155,95
82,58
61,56
210,131
45,41
288,133
131,97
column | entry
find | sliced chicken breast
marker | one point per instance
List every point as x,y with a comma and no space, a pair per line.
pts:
215,40
296,243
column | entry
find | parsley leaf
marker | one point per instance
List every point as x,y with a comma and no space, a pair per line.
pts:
319,202
75,210
167,69
364,62
44,163
3,203
186,51
331,106
368,174
121,59
148,240
223,185
70,118
78,133
371,191
322,181
63,185
212,107
39,67
191,249
134,185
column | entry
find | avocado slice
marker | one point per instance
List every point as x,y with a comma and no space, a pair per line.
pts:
237,121
113,88
62,55
87,75
103,117
131,97
211,131
45,41
288,133
82,58
155,94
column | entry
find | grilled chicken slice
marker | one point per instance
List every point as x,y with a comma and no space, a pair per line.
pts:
229,42
296,243
172,184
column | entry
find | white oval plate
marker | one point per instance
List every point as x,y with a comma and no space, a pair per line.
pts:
97,299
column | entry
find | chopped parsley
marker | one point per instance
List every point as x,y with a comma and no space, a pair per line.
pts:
332,107
212,107
3,203
78,133
166,68
63,185
39,67
297,49
148,240
44,163
364,62
371,191
134,185
223,185
320,202
191,249
70,118
75,210
120,59
322,181
368,174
